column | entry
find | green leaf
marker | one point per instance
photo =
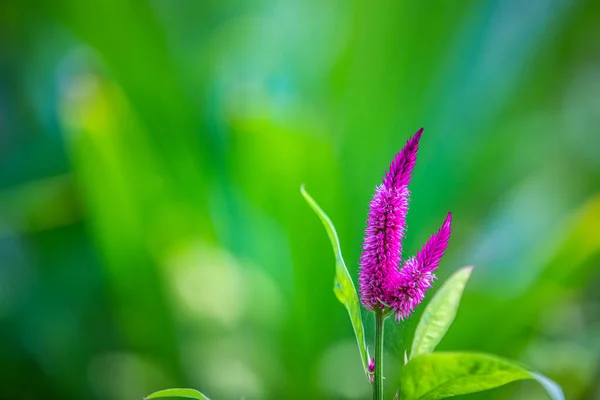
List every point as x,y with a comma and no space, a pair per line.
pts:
178,393
551,387
439,313
343,287
440,375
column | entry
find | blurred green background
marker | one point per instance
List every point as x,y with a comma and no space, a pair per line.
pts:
152,233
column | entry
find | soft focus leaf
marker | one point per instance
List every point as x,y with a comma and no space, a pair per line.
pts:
554,391
439,313
178,393
343,287
440,375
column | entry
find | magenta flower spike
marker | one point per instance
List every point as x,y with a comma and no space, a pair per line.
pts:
407,289
385,228
383,285
430,255
371,369
371,365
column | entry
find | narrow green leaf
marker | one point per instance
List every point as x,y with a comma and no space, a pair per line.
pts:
551,387
343,287
440,375
177,393
439,313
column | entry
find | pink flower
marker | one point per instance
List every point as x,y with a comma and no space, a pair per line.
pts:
385,227
382,284
407,288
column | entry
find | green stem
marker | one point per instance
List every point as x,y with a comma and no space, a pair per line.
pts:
378,383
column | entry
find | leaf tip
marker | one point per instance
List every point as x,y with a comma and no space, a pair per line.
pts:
552,388
469,268
305,194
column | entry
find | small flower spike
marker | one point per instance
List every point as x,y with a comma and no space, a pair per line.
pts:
407,289
371,369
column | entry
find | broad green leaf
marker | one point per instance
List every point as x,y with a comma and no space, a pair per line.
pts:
343,287
439,313
177,393
440,375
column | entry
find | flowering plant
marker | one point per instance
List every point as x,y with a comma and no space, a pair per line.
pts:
387,289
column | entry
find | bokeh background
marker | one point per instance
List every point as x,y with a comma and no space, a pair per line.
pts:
152,232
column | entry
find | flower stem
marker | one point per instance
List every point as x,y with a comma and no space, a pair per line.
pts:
378,383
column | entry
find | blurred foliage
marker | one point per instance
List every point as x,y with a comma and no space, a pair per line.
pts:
152,233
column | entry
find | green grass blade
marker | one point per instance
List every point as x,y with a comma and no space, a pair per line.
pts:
439,313
440,375
177,393
343,287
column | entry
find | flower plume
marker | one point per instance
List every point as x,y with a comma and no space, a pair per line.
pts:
407,288
381,248
383,285
385,227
